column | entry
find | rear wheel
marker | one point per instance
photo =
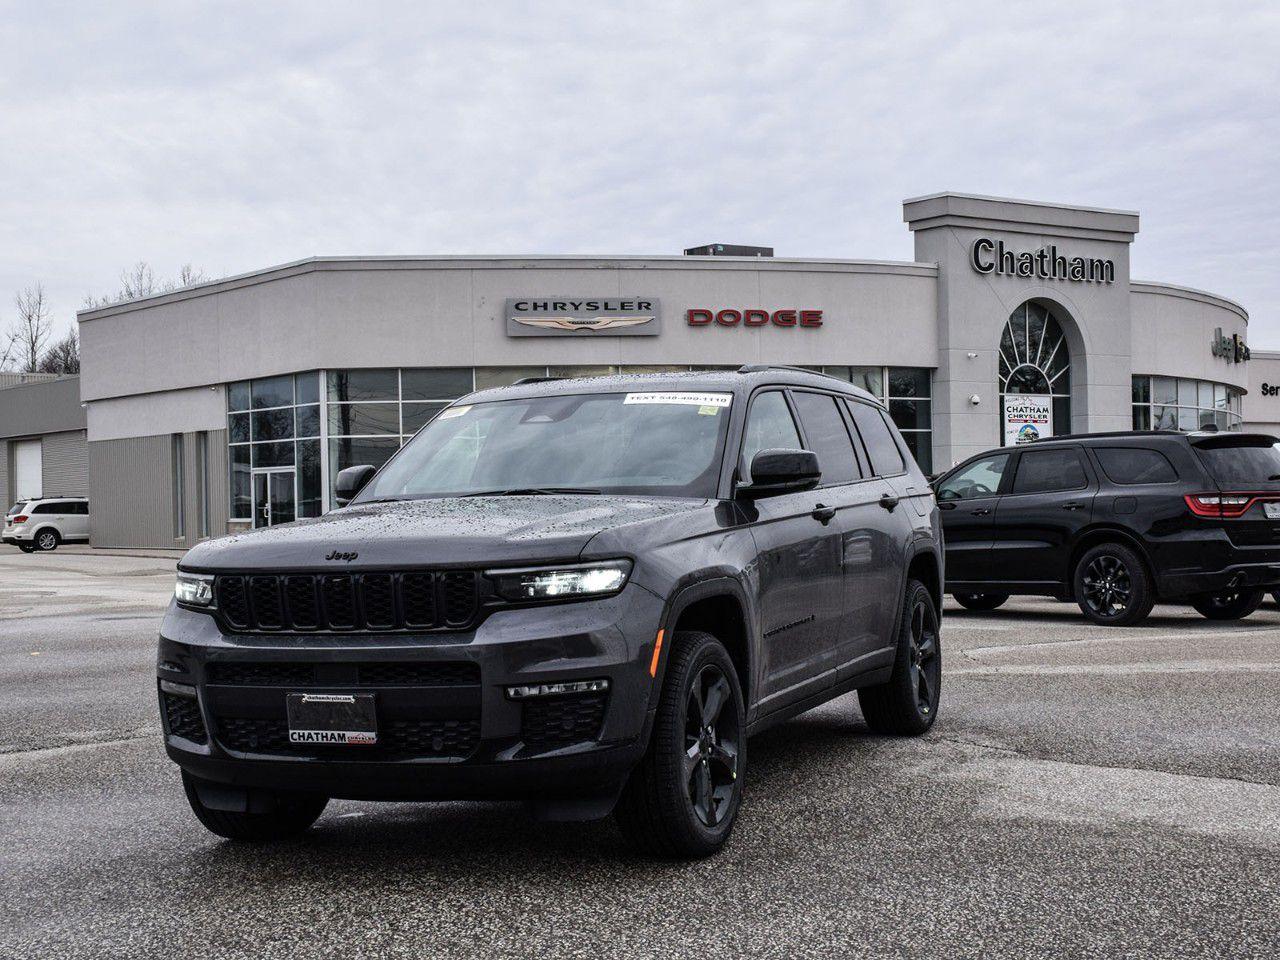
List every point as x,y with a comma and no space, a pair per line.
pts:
1275,598
1232,605
908,702
47,540
980,601
683,798
285,815
1112,586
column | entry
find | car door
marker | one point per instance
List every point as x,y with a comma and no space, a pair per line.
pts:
798,564
967,499
882,531
1037,520
78,522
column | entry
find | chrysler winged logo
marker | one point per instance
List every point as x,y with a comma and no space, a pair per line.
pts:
582,323
556,316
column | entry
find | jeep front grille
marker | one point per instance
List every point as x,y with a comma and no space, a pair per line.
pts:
366,602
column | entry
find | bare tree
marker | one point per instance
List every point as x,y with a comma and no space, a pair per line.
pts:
140,281
63,356
30,332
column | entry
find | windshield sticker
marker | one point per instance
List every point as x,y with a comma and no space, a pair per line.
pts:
452,412
713,401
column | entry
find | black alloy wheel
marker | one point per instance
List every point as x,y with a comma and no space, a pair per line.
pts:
1112,586
907,703
682,799
926,665
1108,586
712,738
980,601
1230,605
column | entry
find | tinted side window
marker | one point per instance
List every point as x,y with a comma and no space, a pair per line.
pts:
827,436
769,427
1135,465
1043,471
979,479
81,508
886,458
47,508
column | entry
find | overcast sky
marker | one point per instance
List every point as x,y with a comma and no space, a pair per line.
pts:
236,136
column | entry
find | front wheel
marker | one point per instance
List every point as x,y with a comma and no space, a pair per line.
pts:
1112,586
1232,605
907,703
980,601
285,816
683,798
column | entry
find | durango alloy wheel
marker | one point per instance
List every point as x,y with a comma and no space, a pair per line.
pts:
1112,586
1232,605
682,799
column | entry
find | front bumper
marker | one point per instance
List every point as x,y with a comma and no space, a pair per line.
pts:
447,729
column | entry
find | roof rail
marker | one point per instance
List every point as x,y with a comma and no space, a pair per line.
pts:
524,380
765,367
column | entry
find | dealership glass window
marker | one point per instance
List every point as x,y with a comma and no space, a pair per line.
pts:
1166,403
274,422
1035,359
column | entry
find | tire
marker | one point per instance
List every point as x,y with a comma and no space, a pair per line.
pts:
907,703
291,816
47,540
1112,586
1275,598
26,548
980,601
675,805
1232,605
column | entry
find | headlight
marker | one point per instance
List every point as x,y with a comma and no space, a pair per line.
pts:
194,590
547,583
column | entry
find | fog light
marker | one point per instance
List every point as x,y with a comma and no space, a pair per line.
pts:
556,689
177,689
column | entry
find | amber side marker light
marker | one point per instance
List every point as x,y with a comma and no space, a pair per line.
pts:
657,649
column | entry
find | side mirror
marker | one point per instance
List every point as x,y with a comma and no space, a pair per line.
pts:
781,471
350,482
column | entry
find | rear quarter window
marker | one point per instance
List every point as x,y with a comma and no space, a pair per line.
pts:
886,458
1135,465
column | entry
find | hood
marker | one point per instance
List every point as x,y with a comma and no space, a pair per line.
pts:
459,531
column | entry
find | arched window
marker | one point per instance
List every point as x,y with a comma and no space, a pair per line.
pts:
1034,358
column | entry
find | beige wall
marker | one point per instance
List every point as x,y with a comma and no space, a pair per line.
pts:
1173,329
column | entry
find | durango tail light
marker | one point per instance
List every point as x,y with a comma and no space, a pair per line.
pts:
1227,506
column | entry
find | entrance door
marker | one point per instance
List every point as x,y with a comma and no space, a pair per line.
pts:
275,497
28,463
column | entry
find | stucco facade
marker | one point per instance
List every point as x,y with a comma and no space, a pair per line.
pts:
936,334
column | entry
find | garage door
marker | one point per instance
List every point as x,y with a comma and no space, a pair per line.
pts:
28,470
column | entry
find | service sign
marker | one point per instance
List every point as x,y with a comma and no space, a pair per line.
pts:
583,317
1027,418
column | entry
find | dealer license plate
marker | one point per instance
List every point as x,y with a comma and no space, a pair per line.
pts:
332,718
1272,510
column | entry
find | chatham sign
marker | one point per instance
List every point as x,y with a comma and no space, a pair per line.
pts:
563,317
993,257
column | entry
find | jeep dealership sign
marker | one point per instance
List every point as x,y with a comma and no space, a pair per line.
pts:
582,317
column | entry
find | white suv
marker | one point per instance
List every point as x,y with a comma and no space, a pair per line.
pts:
44,523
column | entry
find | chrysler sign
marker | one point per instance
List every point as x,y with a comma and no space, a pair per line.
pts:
581,317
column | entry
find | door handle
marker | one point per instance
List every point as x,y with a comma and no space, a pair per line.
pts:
980,512
1073,505
823,513
889,501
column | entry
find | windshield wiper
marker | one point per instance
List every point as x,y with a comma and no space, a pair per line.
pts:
529,491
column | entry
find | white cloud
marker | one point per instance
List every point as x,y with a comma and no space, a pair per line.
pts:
237,136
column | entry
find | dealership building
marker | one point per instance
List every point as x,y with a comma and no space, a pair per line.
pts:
235,403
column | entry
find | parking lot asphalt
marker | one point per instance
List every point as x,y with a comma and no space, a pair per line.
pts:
1085,792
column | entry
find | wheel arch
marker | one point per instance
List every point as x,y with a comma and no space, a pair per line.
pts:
718,606
1095,536
42,528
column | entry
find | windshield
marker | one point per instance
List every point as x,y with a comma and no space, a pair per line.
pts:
666,444
1242,462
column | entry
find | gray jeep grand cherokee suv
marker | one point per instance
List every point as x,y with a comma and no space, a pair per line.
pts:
582,594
